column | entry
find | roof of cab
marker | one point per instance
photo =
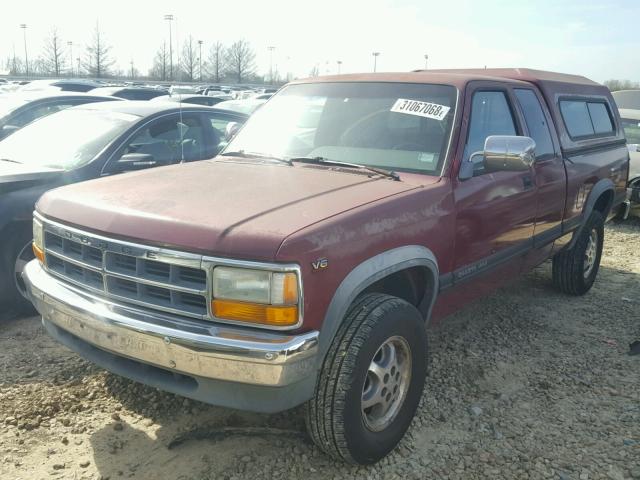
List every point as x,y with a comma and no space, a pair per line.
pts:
460,77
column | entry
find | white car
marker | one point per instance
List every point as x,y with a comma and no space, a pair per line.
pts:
630,121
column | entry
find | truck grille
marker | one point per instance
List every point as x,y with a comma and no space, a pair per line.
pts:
123,272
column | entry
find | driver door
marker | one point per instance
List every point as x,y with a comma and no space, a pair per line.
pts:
495,212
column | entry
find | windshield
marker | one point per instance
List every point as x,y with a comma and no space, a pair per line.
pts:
8,103
631,130
395,126
67,139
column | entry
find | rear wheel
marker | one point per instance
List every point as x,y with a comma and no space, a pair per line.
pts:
371,380
575,270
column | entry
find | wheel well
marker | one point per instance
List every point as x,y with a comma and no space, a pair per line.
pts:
414,285
604,202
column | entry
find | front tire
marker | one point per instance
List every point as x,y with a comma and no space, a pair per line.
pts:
13,259
575,270
371,380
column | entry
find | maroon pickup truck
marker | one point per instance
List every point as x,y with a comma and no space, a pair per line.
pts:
303,264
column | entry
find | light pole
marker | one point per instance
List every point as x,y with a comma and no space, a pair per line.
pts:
271,49
78,60
70,45
426,60
23,26
339,62
200,59
169,18
375,60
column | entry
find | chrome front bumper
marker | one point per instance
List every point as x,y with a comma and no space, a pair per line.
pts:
179,345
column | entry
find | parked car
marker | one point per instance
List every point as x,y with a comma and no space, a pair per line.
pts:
87,142
20,108
246,106
186,98
302,265
129,93
627,99
63,85
630,121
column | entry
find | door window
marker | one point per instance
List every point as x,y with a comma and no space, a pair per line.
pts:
170,140
219,128
536,122
490,115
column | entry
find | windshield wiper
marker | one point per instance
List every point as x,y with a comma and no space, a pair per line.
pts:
328,161
243,154
9,160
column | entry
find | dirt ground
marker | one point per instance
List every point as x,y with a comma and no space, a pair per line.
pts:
527,383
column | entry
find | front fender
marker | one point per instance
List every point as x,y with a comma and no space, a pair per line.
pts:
367,273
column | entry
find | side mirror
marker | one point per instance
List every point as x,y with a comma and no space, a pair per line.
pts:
231,130
130,162
8,130
502,153
505,153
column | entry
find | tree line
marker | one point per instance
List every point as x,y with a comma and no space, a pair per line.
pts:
615,85
219,62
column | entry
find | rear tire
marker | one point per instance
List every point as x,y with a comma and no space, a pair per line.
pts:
371,380
575,270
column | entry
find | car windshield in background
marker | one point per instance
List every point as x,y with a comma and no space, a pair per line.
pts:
67,139
404,127
631,130
8,103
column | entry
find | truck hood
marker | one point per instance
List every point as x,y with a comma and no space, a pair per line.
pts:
224,208
13,173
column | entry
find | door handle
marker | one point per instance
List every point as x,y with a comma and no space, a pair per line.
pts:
527,182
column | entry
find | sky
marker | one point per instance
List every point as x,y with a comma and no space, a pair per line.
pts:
595,38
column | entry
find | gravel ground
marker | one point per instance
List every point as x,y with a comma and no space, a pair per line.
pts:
527,383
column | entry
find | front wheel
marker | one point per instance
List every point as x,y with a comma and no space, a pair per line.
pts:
17,253
371,380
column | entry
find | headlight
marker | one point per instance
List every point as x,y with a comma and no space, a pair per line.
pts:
255,296
38,240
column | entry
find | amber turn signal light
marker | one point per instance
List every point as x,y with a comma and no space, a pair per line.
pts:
38,253
275,316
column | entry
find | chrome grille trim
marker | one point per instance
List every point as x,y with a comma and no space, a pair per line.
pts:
153,282
175,259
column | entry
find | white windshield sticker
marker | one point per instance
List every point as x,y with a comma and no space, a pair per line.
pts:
421,109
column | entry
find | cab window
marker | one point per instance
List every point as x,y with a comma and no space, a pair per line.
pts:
490,115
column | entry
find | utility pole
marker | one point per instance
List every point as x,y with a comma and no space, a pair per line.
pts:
271,49
375,60
132,72
70,45
169,18
339,62
426,60
78,60
200,59
23,26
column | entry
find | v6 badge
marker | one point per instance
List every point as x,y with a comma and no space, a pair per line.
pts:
320,264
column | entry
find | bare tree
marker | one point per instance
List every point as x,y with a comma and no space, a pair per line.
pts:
97,60
189,59
614,85
160,64
315,71
14,65
240,60
53,54
216,64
